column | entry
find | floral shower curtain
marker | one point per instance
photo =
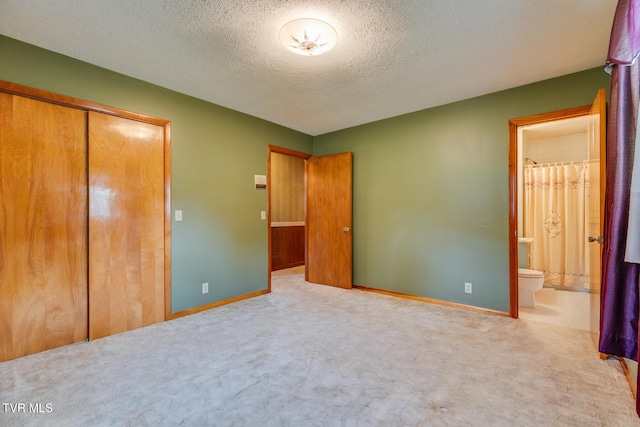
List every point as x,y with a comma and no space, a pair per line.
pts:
556,215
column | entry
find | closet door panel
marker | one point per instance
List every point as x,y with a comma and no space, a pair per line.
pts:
43,226
126,224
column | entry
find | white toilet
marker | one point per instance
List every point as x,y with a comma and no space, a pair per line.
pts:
529,281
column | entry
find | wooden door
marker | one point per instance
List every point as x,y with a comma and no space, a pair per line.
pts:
329,220
598,171
43,226
126,224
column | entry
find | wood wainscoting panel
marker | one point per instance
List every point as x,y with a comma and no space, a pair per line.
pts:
126,224
287,247
43,226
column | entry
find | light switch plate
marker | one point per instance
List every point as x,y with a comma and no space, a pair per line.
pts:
178,215
263,214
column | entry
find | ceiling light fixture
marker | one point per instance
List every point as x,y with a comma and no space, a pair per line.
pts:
308,36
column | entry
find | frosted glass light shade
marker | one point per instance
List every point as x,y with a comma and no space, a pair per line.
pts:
308,36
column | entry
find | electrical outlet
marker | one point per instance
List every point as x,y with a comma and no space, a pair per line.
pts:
468,288
205,288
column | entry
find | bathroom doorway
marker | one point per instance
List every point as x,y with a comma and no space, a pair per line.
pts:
563,152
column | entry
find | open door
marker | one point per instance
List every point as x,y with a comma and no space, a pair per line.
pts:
329,220
597,154
597,150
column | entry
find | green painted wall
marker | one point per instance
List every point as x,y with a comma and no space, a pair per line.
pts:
431,191
215,154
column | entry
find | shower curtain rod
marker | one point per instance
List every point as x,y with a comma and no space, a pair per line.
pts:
537,165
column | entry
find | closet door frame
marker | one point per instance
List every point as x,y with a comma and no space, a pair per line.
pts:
67,101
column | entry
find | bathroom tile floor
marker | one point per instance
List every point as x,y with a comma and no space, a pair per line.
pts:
561,308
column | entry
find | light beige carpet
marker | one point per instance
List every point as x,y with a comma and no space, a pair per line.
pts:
310,355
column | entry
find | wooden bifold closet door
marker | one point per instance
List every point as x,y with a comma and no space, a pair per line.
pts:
43,226
82,225
126,224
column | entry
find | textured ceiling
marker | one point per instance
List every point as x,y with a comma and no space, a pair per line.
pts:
392,56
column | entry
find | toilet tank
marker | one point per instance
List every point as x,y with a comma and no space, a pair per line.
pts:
523,252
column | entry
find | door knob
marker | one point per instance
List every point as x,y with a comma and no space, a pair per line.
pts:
346,229
598,239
